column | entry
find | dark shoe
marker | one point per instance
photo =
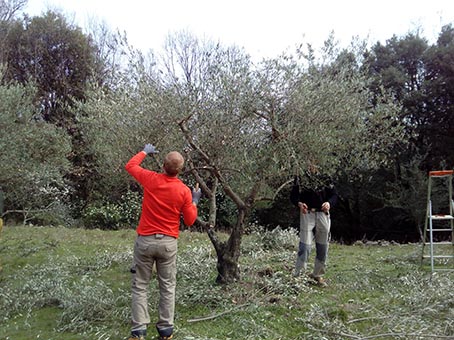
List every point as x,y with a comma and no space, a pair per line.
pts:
165,333
320,281
137,335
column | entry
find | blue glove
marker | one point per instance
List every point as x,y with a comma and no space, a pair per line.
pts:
196,194
149,148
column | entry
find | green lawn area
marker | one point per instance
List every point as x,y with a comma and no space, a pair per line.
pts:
60,283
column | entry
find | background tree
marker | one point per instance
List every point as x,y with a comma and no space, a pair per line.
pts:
9,9
437,128
33,160
414,72
417,75
60,60
112,52
57,56
8,13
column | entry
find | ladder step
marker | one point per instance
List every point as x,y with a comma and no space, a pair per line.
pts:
445,229
441,173
439,257
442,217
445,243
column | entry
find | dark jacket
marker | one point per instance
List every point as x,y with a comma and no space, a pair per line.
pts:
314,198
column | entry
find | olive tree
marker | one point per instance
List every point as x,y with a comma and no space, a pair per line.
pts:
249,127
245,129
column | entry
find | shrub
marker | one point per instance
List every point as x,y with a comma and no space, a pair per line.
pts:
268,240
114,216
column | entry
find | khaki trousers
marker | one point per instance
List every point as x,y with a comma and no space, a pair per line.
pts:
319,222
162,251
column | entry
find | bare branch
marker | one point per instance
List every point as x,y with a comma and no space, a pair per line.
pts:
184,128
8,8
211,317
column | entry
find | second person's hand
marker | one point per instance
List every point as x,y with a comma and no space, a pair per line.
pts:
196,194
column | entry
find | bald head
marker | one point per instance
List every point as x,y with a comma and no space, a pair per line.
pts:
173,163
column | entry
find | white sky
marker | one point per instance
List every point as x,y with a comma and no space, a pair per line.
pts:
265,28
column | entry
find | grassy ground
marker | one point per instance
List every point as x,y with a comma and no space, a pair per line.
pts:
59,283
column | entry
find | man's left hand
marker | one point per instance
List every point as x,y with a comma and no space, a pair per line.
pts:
303,207
150,149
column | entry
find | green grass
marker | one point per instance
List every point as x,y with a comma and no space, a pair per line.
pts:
60,283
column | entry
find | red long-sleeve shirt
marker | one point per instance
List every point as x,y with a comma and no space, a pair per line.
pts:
165,198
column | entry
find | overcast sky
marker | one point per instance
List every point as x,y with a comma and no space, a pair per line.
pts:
265,28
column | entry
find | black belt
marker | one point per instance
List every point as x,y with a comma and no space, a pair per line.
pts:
317,210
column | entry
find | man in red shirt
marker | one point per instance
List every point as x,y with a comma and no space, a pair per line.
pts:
165,199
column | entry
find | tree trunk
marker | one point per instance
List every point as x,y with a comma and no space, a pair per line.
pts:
228,270
228,253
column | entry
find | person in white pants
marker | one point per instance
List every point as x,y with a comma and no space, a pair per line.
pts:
314,206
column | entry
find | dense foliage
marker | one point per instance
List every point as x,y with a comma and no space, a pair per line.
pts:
33,159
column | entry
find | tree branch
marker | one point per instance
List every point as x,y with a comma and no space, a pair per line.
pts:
228,190
184,128
382,335
211,234
214,316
